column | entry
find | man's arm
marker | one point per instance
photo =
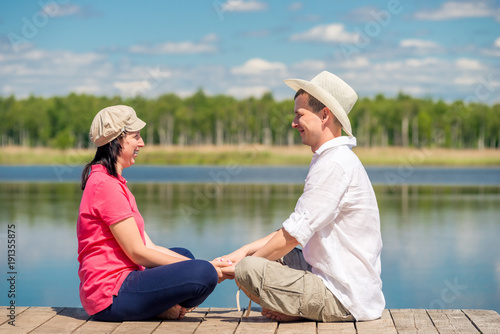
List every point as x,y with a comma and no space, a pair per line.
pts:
278,246
248,249
272,247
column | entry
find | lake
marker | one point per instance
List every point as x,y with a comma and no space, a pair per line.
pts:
440,227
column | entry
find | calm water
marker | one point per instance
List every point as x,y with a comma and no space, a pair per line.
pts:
440,227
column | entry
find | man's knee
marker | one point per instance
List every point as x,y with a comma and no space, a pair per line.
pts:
249,272
248,266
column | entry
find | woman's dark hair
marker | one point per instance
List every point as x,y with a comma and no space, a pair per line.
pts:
106,155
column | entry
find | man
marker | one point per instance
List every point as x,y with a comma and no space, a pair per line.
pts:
336,275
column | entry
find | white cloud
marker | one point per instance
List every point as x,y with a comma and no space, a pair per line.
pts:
418,43
492,53
86,89
295,6
363,14
257,66
7,90
243,6
468,64
327,33
495,51
132,88
465,80
310,65
411,63
243,92
356,62
54,9
187,47
455,10
425,62
210,38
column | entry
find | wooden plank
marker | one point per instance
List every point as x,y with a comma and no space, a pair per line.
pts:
66,321
487,321
297,327
256,323
137,327
412,321
5,313
336,327
383,325
220,320
101,327
187,325
30,319
451,321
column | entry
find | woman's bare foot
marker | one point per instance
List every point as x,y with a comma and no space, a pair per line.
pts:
273,315
176,312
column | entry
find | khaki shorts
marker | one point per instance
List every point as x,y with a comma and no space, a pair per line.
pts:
289,287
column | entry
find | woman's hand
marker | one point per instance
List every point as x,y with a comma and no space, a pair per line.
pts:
220,265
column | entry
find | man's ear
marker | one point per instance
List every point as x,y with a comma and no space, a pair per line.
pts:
326,113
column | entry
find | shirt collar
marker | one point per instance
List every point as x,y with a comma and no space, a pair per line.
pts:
335,142
102,169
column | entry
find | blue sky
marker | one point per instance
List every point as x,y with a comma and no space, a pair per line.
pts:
440,49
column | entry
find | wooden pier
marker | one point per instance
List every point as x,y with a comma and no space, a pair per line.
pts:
217,320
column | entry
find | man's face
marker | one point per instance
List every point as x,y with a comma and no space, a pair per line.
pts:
307,122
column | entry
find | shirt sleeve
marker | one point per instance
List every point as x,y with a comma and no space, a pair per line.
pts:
325,186
112,203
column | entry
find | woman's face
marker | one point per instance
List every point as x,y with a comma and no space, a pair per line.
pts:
131,143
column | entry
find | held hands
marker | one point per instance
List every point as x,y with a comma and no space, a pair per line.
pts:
225,265
233,259
225,268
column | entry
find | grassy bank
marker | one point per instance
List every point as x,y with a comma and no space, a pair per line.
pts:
256,155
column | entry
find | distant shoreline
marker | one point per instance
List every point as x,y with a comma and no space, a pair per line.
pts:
258,155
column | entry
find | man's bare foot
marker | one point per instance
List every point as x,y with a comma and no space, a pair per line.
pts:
176,312
273,315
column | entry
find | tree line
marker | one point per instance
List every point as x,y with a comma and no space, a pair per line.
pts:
64,122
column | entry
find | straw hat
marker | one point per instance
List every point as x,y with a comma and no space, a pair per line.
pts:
111,122
333,92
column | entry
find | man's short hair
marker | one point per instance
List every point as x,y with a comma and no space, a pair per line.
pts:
313,102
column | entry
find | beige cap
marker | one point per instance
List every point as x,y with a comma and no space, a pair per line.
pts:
110,122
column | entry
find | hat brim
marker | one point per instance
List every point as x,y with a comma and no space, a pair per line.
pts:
136,126
324,97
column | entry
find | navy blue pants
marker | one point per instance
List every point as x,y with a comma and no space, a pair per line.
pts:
145,294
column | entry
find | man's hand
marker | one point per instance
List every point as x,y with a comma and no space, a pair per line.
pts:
228,272
220,264
236,256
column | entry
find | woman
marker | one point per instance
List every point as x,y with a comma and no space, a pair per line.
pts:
123,274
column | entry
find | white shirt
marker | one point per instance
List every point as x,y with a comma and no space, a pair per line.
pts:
337,222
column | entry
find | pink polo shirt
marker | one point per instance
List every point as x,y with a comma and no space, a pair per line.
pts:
104,266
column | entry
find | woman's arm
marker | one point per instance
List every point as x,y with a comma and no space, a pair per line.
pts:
128,237
150,244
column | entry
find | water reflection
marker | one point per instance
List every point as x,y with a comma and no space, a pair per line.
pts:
440,242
